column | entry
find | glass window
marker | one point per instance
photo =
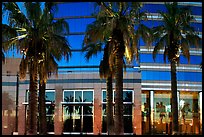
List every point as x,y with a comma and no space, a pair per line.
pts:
189,112
127,110
166,75
50,108
127,96
104,96
78,117
49,96
87,96
69,96
148,58
78,96
153,8
94,60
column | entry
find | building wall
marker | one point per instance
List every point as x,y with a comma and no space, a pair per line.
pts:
77,81
9,74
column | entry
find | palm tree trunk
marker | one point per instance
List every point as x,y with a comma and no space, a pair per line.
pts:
109,105
174,108
118,123
42,110
32,108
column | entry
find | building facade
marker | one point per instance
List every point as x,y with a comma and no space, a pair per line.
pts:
75,100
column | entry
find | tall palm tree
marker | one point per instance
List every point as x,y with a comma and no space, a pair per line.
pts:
46,67
36,33
106,73
175,36
116,20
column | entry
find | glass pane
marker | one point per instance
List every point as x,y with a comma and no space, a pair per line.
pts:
69,96
50,109
78,110
68,110
50,123
87,96
104,109
127,109
104,125
88,124
87,110
104,96
50,96
68,125
78,96
77,126
127,96
128,124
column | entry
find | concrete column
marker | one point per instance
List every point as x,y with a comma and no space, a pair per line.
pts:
22,113
200,111
58,116
196,124
137,115
152,111
97,120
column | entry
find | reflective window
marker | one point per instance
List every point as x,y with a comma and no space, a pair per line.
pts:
69,96
87,95
71,10
50,95
153,8
127,110
78,111
49,106
148,58
166,75
82,22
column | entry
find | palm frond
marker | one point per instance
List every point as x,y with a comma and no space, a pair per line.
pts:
159,45
16,17
92,49
33,12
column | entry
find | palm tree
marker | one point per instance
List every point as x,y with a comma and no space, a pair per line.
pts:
46,67
36,33
104,72
173,36
116,21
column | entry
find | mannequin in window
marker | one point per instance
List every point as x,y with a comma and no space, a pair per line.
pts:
161,109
